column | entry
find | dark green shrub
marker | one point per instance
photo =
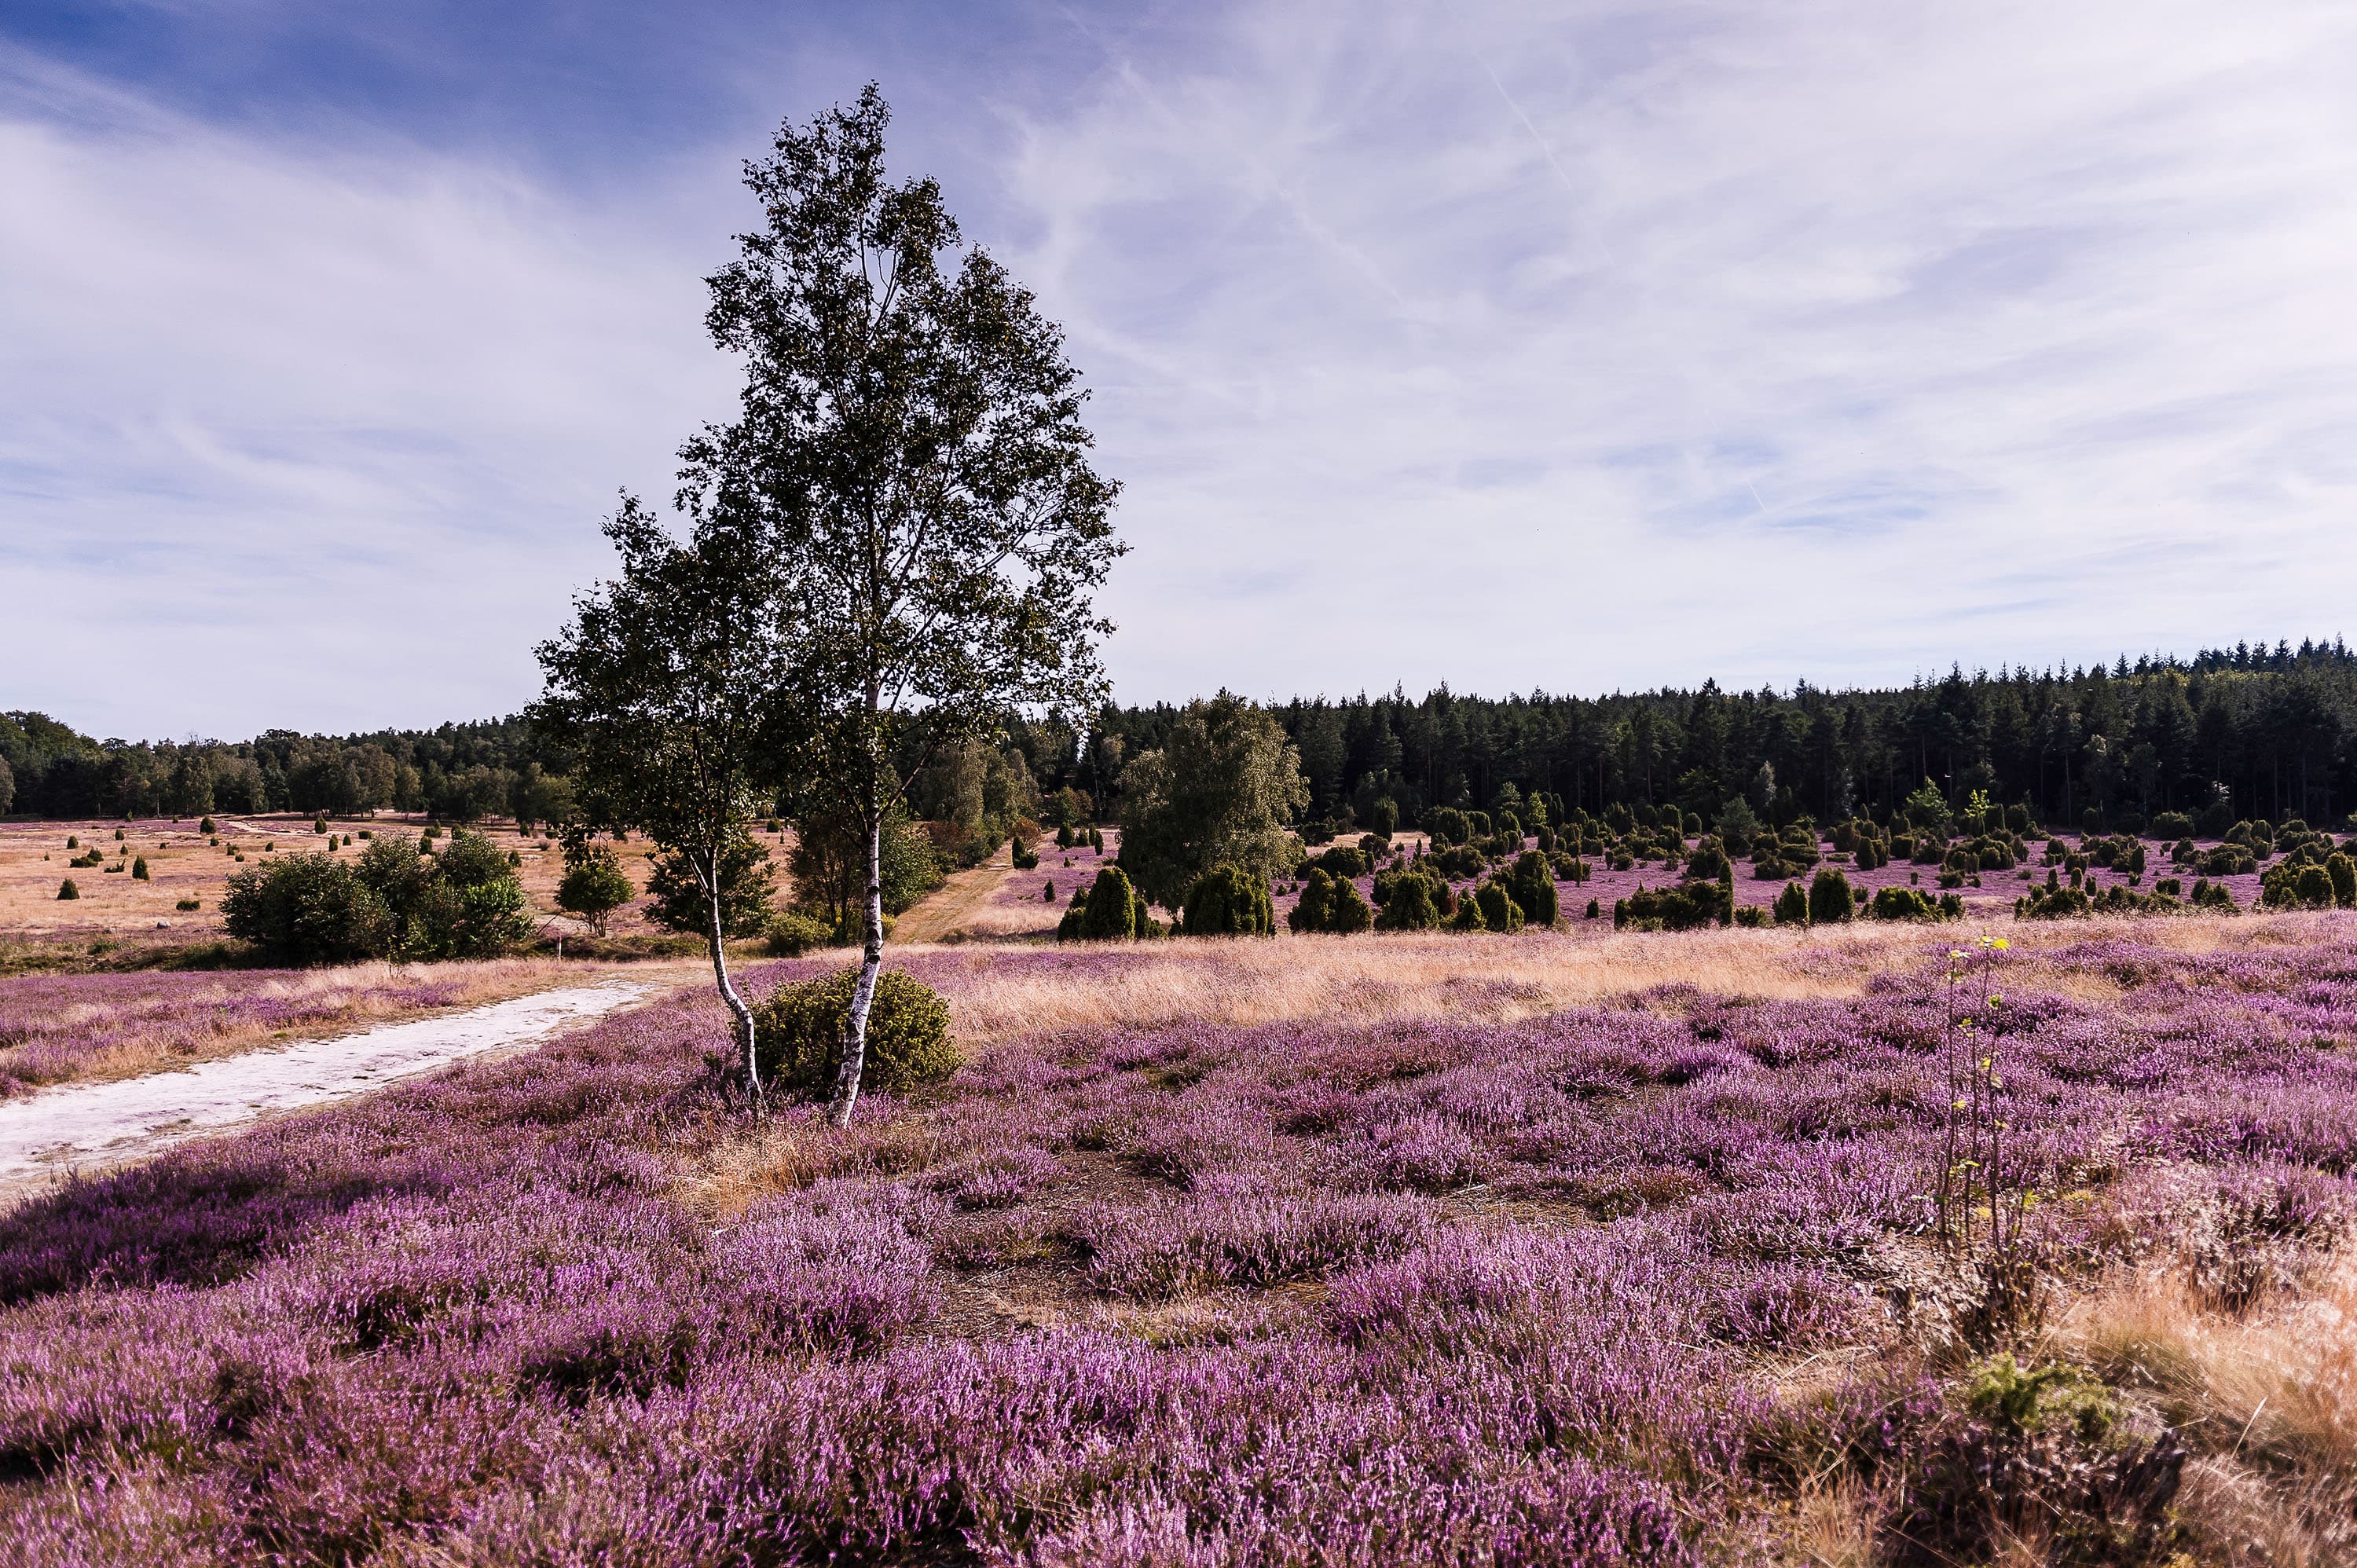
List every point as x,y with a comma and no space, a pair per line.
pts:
1374,847
798,1035
2214,819
1510,827
1109,910
308,909
1595,909
1793,906
1830,901
1226,901
1709,860
67,889
1342,863
1063,835
205,827
1021,854
1681,906
790,935
2342,870
1532,884
1500,909
1332,905
1447,825
2171,825
139,870
1902,904
1457,861
1382,820
1750,914
2214,895
189,905
1408,902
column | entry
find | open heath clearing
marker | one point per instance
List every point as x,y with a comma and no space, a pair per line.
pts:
1543,1249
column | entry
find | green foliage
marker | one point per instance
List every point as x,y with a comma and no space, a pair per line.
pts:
1709,861
799,1034
67,891
1750,914
1501,911
1903,904
1532,886
1227,901
1021,856
790,935
1682,906
308,909
1447,825
1830,899
1927,808
2171,825
1342,863
1410,901
1457,861
188,906
1384,820
2297,885
139,869
595,883
2342,870
1217,792
206,827
1793,906
1330,906
1111,910
829,865
676,899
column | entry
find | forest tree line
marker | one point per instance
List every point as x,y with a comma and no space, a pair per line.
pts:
2251,733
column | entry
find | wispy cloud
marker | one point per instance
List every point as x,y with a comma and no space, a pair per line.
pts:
1620,345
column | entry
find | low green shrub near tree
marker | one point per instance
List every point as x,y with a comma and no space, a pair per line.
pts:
790,935
799,1035
1709,862
1019,851
1330,906
1446,826
1457,861
1384,820
1341,863
595,883
67,891
1793,906
1501,910
1681,906
1227,901
139,870
2300,885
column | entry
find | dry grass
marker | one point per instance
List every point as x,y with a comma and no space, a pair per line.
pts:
182,865
2266,1398
1243,981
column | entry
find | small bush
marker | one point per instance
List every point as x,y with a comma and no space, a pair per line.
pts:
1227,901
1685,906
139,870
798,1035
1830,899
1750,914
1532,884
1903,904
1446,826
1109,910
595,884
189,905
67,889
1500,910
1332,905
1021,854
205,827
790,935
1409,903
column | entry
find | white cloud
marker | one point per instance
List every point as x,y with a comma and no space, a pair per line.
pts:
1636,344
1624,345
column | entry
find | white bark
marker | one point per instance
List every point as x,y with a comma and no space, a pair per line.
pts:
710,873
863,993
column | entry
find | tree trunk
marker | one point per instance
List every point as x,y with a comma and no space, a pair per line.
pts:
710,873
863,994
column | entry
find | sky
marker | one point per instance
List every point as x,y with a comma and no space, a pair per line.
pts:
1576,347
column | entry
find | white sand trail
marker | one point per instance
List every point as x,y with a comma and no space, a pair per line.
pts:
81,1125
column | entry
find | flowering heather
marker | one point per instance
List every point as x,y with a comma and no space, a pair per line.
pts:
1386,1290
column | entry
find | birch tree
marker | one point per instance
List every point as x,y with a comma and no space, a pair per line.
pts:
665,689
910,432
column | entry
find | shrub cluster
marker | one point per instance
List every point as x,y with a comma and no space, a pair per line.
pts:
1684,906
1412,901
1227,901
1332,905
310,909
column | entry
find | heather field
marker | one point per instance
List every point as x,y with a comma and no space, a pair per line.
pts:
1549,1249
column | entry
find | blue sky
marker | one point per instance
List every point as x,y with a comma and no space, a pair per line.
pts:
1604,348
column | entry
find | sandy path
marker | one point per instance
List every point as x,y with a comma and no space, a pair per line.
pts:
79,1125
950,906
